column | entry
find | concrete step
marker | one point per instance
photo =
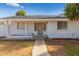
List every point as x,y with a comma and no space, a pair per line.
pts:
40,36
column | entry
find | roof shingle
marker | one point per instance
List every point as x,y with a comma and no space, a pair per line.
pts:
34,17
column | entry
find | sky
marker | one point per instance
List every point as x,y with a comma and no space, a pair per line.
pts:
10,9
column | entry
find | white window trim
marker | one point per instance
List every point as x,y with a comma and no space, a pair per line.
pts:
21,25
63,26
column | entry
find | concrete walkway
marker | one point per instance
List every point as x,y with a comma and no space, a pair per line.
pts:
39,48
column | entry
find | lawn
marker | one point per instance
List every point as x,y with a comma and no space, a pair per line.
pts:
72,48
63,47
16,48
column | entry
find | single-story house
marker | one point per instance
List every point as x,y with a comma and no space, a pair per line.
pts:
27,26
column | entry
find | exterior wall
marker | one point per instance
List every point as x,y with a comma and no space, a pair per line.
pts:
30,28
12,29
51,31
3,31
71,32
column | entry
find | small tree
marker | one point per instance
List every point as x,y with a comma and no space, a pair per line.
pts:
21,13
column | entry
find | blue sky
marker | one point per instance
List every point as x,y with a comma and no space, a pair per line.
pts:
31,8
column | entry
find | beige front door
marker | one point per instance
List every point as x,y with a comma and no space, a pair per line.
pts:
40,28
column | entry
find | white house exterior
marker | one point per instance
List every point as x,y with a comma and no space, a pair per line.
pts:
27,26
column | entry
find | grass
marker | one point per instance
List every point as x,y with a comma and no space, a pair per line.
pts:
61,48
16,48
72,49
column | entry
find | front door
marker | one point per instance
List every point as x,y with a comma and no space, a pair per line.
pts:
40,28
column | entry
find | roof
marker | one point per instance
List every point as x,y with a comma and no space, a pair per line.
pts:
34,17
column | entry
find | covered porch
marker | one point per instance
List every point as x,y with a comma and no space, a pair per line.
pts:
25,29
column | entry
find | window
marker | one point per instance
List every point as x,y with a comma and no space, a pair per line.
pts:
2,23
62,25
20,25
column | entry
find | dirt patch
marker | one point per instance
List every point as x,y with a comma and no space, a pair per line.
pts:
16,48
60,47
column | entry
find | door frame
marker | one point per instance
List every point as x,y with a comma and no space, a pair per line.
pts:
40,26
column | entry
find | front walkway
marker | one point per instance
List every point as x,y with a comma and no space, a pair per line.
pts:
40,48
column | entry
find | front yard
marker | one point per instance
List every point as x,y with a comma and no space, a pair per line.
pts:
16,48
24,47
63,47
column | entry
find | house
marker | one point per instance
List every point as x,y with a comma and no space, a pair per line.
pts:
27,26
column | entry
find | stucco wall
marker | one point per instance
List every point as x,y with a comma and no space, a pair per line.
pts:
51,31
71,32
3,30
30,28
12,29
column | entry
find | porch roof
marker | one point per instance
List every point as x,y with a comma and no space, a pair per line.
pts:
35,17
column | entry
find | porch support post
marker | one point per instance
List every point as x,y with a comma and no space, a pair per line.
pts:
7,27
26,32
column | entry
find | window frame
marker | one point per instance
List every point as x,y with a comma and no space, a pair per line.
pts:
62,25
21,25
